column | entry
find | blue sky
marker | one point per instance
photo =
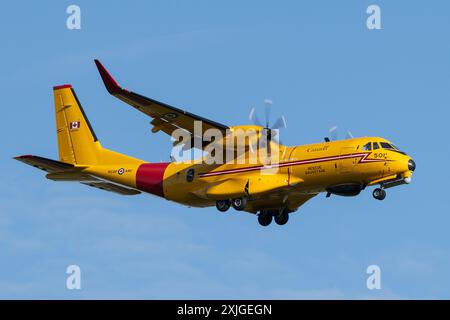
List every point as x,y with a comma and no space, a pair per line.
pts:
319,64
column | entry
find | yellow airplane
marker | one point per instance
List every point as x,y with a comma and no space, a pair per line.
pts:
269,189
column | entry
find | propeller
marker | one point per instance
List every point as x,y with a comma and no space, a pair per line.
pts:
349,135
269,131
333,134
268,107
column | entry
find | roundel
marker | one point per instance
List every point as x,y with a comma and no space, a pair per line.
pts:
120,171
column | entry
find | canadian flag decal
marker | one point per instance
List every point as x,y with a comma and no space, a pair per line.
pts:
74,125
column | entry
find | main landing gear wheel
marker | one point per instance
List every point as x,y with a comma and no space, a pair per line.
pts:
239,203
282,217
223,205
264,218
379,194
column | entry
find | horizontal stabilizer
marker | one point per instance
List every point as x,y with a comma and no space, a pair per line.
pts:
61,171
71,175
107,186
45,164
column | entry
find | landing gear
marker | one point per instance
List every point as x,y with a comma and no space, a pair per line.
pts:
282,217
265,218
223,205
379,194
239,203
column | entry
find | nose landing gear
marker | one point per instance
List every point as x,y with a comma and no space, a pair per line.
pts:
379,194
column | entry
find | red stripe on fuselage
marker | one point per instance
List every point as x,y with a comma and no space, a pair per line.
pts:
150,176
362,155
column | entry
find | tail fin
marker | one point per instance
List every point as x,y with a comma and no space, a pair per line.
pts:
77,142
81,156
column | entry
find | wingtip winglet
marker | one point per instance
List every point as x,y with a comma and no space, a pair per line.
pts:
111,85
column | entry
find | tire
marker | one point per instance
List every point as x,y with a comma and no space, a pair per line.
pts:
379,194
264,219
239,204
223,205
282,218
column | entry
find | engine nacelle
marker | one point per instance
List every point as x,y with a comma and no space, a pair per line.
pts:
346,189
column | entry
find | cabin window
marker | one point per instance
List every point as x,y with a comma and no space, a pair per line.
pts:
367,146
190,175
375,146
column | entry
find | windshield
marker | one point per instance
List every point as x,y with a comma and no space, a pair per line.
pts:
386,145
390,146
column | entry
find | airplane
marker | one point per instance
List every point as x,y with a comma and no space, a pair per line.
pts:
270,190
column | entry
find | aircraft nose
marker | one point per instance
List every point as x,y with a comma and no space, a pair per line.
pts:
411,165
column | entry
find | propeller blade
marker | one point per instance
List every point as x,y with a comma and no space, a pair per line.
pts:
251,148
269,140
349,134
275,135
280,123
264,138
333,133
267,109
254,118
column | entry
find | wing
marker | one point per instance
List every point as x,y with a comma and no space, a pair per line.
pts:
293,202
296,201
165,118
255,186
61,171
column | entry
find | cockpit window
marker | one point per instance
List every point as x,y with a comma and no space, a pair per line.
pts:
367,146
376,146
390,146
386,145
